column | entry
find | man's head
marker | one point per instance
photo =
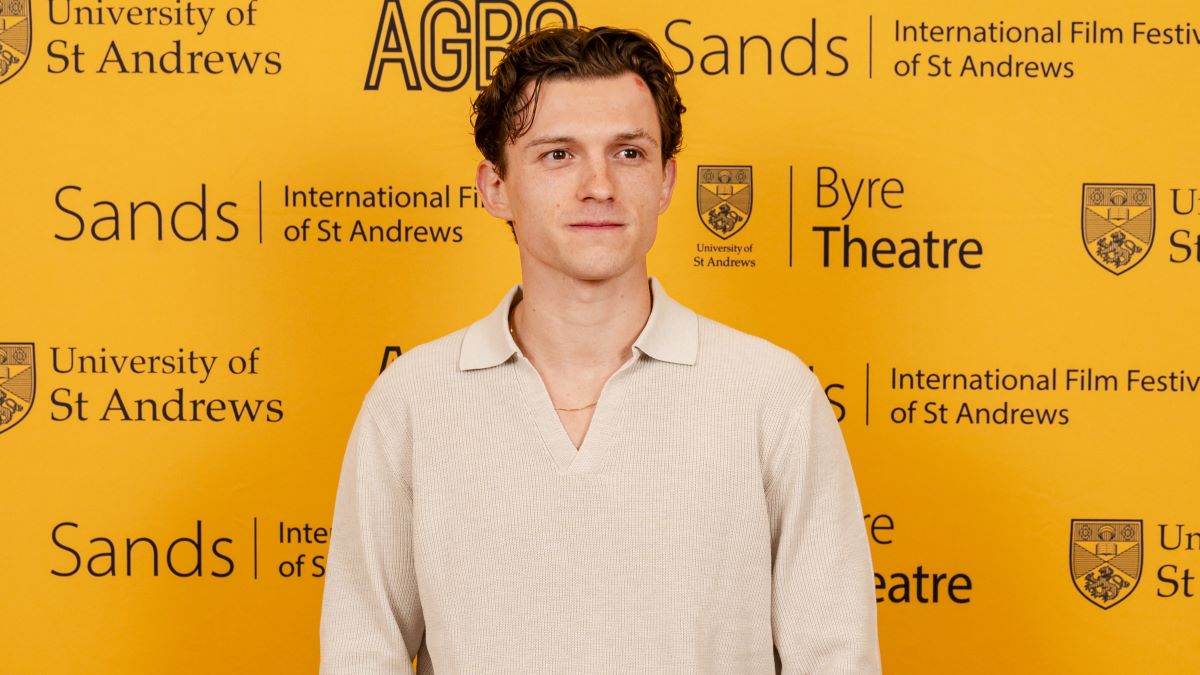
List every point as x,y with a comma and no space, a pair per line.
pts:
504,109
579,129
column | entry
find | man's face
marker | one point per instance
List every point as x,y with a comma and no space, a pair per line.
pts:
584,186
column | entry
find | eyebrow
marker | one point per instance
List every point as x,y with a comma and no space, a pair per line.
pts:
551,140
637,134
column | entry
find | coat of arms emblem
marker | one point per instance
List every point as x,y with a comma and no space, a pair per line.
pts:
1106,559
15,34
1118,224
16,382
724,196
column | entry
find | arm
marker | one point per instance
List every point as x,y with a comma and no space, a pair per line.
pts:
371,620
823,598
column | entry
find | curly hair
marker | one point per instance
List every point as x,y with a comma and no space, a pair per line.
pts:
502,112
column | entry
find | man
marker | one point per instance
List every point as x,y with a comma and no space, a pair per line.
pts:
593,478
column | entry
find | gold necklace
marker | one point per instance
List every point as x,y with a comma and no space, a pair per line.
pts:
512,331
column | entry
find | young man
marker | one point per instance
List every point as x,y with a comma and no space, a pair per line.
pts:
593,478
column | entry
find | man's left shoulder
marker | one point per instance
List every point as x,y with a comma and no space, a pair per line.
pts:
756,358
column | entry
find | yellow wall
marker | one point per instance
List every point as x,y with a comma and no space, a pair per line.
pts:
1003,161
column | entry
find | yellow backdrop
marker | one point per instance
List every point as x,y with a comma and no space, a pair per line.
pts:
977,222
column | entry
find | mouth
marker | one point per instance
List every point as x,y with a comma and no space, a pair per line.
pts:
597,225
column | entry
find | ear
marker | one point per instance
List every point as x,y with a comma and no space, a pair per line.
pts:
490,186
668,186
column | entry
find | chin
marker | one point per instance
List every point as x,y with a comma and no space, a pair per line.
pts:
590,274
599,271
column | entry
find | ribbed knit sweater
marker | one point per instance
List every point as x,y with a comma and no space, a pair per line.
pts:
708,524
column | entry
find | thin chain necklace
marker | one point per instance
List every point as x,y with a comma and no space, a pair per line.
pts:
512,331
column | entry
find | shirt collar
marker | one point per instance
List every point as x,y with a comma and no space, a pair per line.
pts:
671,333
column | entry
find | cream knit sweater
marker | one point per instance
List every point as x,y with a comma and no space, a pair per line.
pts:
709,524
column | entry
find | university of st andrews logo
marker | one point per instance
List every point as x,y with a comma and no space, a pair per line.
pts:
16,382
724,196
1106,559
1118,224
15,33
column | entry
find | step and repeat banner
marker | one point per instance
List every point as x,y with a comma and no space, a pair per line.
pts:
977,222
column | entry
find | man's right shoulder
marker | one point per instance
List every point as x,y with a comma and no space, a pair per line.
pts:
421,369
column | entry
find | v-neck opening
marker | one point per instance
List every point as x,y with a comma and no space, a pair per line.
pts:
595,450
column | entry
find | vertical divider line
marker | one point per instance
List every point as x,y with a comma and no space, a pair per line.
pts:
868,406
256,547
790,209
260,224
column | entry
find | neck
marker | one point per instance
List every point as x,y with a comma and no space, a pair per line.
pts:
568,324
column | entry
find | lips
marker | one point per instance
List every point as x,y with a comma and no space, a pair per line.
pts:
599,225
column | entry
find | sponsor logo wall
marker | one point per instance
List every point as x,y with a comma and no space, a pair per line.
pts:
222,219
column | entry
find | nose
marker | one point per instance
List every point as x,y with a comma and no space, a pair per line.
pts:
596,182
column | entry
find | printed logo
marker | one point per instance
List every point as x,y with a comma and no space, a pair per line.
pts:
1118,224
15,34
17,382
450,45
724,196
1106,559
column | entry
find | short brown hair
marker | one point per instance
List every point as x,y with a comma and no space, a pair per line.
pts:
502,114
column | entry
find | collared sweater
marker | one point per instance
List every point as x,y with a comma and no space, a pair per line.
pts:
709,524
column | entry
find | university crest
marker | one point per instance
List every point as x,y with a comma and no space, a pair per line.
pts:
1118,224
15,34
16,382
1106,559
724,196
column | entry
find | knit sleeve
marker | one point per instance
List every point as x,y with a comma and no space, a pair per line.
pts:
822,595
371,620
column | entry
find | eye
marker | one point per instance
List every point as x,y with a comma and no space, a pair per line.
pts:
631,153
557,154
